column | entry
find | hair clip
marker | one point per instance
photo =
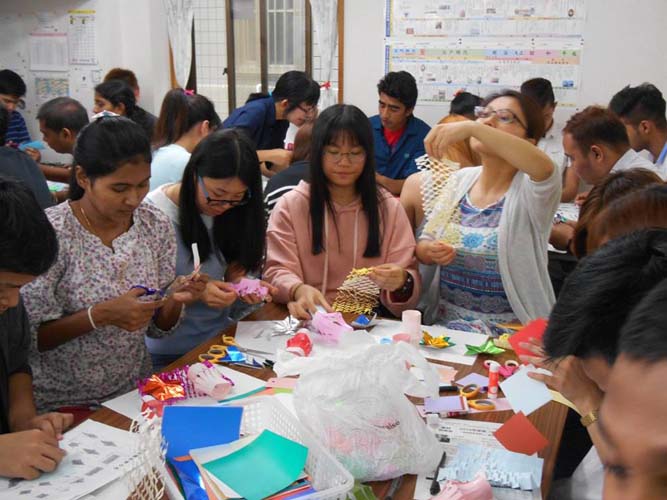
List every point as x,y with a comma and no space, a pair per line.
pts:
326,85
188,92
103,114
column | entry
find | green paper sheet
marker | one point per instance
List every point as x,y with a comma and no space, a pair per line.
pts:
267,465
487,347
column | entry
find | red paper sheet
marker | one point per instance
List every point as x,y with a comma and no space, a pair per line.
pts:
519,435
533,330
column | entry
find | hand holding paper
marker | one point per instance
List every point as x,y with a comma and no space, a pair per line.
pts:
524,393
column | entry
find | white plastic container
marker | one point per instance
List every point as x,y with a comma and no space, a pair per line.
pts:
331,480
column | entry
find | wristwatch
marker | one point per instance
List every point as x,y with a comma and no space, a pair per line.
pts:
589,418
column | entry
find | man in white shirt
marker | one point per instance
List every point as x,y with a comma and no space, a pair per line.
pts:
642,111
541,91
596,143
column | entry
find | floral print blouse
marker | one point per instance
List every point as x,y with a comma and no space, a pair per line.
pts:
105,362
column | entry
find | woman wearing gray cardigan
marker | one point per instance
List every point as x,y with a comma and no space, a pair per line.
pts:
497,272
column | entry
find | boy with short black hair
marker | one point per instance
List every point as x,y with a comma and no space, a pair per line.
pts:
398,135
642,111
28,247
12,90
632,417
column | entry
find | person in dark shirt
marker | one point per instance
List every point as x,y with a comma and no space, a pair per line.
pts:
28,247
19,166
266,118
283,182
12,90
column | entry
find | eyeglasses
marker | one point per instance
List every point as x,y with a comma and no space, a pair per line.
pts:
505,116
212,202
8,101
352,156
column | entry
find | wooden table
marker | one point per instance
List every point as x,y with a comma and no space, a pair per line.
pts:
549,419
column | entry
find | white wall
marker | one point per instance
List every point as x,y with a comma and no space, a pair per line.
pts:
625,43
130,34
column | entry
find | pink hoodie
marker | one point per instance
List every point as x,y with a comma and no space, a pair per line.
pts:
290,261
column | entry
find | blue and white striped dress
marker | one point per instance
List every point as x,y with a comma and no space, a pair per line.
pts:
471,288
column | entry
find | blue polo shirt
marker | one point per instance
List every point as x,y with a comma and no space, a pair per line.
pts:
258,119
399,162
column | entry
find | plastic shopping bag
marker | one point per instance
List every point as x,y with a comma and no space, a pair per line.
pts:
356,405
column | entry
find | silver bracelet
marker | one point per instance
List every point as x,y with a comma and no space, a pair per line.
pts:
90,318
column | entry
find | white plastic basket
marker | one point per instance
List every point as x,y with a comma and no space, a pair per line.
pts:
331,480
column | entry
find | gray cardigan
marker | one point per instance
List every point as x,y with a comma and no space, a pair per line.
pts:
523,236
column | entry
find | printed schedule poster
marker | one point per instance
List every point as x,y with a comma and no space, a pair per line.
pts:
82,37
484,45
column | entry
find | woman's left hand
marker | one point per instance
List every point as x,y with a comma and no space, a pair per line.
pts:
442,136
388,276
253,298
189,289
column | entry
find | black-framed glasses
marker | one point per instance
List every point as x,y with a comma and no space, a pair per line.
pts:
212,202
505,116
355,157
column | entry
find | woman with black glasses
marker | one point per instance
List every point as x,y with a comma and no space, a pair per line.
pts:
493,269
217,205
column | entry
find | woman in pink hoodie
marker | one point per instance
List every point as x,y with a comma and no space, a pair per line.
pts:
340,221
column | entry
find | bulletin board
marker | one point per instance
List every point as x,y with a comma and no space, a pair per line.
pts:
484,45
56,54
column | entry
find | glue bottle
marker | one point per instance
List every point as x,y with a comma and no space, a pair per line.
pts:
494,375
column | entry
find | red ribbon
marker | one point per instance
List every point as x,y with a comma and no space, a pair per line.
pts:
326,85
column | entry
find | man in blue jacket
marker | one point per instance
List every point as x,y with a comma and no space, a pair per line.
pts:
398,134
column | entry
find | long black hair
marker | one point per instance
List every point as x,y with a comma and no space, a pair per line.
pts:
118,92
240,232
104,145
295,86
180,111
343,120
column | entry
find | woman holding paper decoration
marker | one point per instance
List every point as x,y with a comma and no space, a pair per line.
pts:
340,221
90,311
503,212
217,205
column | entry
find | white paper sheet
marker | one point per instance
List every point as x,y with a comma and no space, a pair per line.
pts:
454,354
48,52
96,455
82,34
130,404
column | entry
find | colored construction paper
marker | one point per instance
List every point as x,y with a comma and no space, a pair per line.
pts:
445,404
519,435
487,347
188,427
473,378
533,330
33,145
524,393
446,373
278,461
559,398
281,382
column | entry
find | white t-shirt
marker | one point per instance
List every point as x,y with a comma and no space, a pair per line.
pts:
631,159
552,145
168,165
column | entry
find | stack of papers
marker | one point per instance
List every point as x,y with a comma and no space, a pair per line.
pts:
97,454
231,471
209,457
